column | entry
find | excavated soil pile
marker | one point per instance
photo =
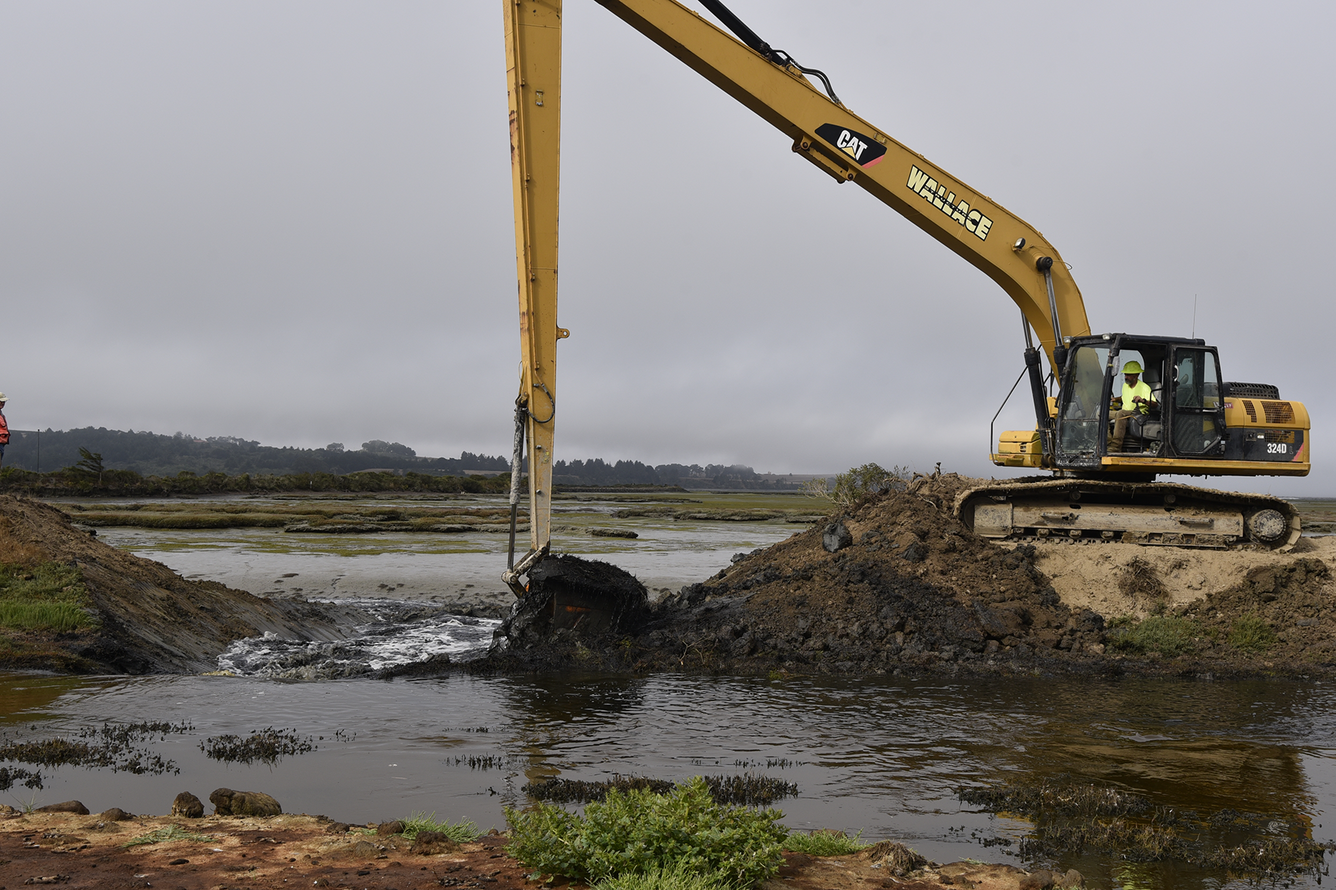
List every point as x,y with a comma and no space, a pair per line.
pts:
898,583
150,619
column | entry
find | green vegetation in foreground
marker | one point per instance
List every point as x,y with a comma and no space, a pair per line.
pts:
459,832
677,876
49,596
639,833
825,843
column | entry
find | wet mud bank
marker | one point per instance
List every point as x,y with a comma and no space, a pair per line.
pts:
897,585
145,618
893,585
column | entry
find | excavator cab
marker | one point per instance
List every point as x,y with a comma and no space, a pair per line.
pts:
1185,417
1196,424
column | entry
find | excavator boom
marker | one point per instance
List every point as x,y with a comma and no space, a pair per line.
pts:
822,130
1200,423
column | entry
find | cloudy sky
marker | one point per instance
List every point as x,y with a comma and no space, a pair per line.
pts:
290,221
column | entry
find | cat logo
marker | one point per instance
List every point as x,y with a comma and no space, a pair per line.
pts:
864,150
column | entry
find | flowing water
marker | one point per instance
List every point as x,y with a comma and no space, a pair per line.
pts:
882,755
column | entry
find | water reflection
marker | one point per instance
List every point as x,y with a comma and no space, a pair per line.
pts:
882,756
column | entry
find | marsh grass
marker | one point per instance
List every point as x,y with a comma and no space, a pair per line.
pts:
460,832
49,596
675,876
54,617
824,843
303,517
1159,634
1252,634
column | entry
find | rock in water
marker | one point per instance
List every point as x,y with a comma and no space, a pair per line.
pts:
586,597
187,805
227,802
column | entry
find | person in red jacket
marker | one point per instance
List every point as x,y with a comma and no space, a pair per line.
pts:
4,428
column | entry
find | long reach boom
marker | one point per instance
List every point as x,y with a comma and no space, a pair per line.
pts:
821,129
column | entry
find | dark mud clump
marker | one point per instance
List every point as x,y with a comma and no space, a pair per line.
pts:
1072,819
573,601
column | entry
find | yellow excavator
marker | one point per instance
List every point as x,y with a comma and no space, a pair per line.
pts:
1192,423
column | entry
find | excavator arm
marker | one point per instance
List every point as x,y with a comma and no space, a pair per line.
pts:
822,130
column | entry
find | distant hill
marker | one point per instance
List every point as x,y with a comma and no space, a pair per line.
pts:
153,454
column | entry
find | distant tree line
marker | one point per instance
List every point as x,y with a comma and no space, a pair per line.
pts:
87,480
153,454
182,457
631,472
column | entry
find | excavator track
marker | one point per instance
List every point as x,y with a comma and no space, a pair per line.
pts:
1154,513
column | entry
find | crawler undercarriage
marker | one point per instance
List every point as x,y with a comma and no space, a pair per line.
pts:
1136,513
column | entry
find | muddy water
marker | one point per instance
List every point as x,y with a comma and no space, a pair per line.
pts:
465,567
881,756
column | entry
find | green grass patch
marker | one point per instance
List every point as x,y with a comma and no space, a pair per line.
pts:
641,833
1158,634
459,832
824,843
50,596
54,617
1251,634
165,834
677,876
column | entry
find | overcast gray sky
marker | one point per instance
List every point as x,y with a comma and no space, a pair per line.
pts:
290,221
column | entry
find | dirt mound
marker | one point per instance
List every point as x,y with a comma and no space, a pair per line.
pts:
151,619
897,583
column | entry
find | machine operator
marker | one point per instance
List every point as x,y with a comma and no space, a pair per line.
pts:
1134,402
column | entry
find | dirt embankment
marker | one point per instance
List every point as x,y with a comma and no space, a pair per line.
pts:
150,619
894,584
904,586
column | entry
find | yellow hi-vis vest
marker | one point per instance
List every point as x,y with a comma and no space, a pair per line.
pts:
1130,392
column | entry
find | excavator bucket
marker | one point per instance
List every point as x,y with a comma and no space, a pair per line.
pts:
586,597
